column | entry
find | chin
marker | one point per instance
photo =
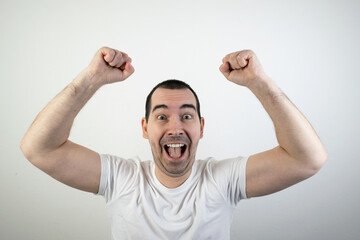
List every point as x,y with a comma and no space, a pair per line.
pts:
176,168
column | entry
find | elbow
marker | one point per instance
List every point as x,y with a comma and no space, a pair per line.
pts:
34,154
322,159
38,155
29,148
26,148
317,161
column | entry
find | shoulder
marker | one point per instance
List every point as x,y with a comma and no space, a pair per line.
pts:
116,165
224,172
220,170
119,175
116,160
212,164
227,176
230,176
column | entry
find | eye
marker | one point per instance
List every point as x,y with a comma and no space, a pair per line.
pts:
187,116
161,117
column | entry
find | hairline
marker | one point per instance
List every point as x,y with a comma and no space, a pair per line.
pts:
182,106
163,85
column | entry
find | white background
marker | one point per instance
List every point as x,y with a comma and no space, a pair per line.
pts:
310,48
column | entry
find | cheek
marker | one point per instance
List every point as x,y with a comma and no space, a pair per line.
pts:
151,132
155,149
154,141
195,138
195,134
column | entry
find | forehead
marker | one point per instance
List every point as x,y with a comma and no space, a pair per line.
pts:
172,97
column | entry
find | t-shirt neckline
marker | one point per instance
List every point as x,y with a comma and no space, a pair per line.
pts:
172,190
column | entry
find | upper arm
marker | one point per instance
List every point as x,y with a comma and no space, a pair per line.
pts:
73,165
272,171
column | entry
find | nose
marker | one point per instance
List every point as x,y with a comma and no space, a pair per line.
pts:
175,127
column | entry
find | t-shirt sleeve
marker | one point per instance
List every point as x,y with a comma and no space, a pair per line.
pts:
230,176
117,176
104,174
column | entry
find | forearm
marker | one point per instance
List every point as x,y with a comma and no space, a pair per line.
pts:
294,133
52,126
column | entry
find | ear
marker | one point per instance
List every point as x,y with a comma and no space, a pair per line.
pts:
144,127
202,124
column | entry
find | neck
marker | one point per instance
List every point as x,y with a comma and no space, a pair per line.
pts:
171,182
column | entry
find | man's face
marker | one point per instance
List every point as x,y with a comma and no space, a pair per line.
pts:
173,130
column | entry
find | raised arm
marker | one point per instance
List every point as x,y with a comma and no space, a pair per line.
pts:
46,143
300,153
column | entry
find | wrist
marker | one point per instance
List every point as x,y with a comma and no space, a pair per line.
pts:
265,87
87,81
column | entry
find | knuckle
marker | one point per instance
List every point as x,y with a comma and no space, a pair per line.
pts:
112,52
116,58
119,54
249,51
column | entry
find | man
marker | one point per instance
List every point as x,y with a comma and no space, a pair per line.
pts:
174,196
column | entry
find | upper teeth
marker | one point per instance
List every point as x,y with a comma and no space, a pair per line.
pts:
175,145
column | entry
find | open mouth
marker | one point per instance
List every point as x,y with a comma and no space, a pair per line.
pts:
175,150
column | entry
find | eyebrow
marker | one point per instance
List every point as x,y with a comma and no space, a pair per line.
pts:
166,107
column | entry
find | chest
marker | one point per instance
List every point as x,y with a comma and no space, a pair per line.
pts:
165,215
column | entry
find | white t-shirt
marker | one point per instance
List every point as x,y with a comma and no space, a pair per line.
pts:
140,207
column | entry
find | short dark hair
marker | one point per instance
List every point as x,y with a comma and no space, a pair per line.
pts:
170,84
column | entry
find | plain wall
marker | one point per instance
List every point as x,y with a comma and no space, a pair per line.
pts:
310,48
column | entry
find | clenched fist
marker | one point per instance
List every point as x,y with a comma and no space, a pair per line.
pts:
243,68
109,66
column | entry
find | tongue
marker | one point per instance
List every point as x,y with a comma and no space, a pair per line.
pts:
174,152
